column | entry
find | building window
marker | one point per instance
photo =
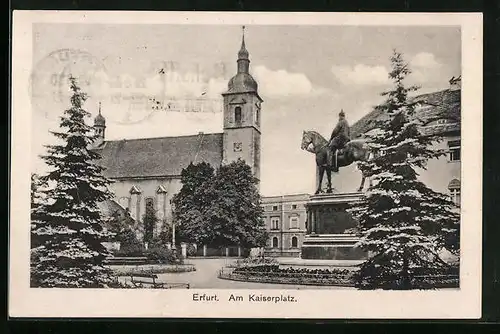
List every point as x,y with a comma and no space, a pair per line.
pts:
294,222
454,149
275,223
148,225
454,188
294,206
149,203
237,114
275,208
275,242
294,242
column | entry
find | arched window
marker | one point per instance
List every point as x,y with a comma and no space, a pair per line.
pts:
275,242
135,202
148,218
454,188
237,115
294,242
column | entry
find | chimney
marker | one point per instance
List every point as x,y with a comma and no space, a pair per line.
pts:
456,83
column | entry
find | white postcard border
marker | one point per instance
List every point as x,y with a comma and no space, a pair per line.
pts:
461,303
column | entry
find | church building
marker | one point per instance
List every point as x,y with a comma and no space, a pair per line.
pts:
146,172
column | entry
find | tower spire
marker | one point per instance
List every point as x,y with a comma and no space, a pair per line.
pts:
99,107
243,37
243,61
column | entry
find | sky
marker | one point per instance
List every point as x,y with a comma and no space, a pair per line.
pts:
306,74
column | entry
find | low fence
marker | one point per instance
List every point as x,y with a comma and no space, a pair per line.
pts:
231,251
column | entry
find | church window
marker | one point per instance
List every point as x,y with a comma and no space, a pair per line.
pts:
237,147
275,242
294,242
275,222
454,149
294,206
148,226
294,222
149,203
237,115
454,188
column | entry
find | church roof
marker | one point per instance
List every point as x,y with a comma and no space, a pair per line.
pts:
159,157
445,104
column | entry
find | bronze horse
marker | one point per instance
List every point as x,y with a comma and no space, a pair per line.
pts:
354,150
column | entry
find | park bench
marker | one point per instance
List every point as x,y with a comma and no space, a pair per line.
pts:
138,279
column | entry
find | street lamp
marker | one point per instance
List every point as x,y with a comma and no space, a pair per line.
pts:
173,224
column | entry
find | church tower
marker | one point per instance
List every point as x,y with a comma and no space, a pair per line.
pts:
99,128
242,115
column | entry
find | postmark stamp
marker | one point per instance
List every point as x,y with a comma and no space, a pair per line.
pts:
49,78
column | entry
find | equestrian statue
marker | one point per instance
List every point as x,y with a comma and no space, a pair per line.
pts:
340,151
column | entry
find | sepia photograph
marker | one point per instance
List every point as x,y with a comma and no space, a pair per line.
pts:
278,162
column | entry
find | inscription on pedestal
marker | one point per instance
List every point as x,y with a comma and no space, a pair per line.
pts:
328,228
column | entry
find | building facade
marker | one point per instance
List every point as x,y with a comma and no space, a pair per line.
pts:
441,114
147,172
285,219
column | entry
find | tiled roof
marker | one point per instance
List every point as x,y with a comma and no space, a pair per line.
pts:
444,104
159,157
110,207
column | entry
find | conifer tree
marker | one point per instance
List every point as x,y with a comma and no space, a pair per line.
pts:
403,223
67,227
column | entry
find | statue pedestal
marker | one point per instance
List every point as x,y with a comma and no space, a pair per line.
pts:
328,226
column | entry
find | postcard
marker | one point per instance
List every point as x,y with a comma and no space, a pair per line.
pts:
246,165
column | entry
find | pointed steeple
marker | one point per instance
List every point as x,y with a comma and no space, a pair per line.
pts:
99,119
243,53
243,61
242,82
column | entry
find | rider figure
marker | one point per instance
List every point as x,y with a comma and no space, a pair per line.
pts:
340,136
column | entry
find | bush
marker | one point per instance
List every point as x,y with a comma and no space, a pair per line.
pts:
162,255
130,250
252,261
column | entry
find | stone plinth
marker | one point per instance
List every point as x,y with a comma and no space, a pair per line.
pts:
328,226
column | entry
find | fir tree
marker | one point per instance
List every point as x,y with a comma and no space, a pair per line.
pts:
67,226
404,224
